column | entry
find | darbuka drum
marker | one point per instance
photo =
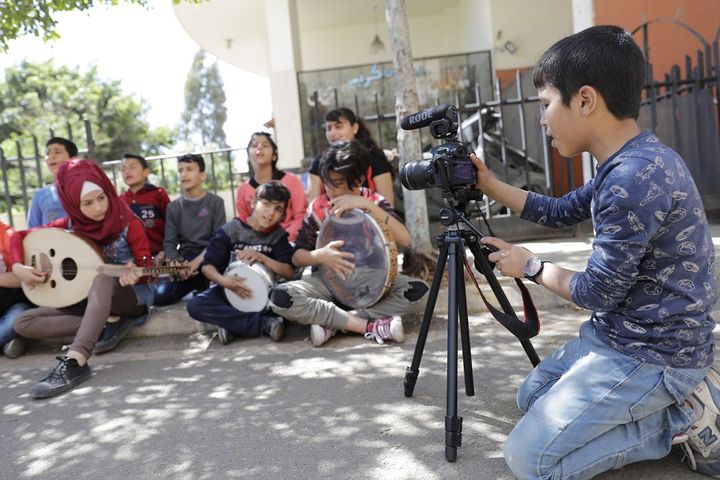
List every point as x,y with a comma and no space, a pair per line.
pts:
375,258
258,278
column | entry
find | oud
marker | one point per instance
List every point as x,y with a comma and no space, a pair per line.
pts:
71,262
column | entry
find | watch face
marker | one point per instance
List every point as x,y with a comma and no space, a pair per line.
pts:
532,267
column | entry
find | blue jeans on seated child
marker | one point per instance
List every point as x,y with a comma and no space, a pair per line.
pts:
589,409
169,293
7,320
212,306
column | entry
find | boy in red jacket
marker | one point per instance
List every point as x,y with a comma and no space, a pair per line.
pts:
146,200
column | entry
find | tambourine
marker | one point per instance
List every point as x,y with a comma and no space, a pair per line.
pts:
375,258
258,278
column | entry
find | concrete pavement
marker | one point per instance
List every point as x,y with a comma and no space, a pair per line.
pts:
185,407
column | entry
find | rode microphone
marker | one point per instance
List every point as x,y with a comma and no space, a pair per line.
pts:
426,117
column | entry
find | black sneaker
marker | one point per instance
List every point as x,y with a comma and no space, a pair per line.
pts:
113,333
225,336
273,326
66,375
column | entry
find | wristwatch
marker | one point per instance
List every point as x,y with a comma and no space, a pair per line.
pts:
533,268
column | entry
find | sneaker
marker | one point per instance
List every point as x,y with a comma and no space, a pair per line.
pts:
15,347
113,333
225,336
66,375
704,433
142,319
320,334
387,328
273,326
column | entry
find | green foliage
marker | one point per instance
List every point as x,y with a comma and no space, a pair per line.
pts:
205,112
38,97
36,17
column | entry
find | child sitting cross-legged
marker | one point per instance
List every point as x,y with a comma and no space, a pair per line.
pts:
260,239
308,301
190,222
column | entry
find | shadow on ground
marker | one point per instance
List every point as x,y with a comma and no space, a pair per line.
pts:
188,408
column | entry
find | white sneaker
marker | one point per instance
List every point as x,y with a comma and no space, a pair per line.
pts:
15,347
387,328
225,336
320,334
704,433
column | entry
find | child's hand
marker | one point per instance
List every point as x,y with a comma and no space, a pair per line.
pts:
237,285
250,256
332,257
159,259
129,278
183,274
508,259
29,276
484,175
344,203
194,266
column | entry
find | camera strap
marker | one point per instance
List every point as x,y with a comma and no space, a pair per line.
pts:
522,329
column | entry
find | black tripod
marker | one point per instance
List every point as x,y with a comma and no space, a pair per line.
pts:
452,244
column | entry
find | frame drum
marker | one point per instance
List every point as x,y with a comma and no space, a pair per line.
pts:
375,258
259,280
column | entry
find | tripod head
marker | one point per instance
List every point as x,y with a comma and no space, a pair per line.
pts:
457,201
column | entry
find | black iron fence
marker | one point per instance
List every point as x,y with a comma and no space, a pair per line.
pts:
683,109
25,172
502,123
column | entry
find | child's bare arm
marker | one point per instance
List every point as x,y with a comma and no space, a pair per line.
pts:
9,280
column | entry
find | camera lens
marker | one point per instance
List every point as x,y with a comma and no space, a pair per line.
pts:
417,175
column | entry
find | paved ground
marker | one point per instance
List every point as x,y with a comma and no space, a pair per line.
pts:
189,408
184,407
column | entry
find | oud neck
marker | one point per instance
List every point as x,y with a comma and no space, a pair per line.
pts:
113,270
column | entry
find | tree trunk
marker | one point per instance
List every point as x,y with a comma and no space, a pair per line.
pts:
409,148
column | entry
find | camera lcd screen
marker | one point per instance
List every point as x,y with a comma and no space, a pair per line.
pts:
463,172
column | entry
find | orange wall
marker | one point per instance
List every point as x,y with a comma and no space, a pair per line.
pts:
669,43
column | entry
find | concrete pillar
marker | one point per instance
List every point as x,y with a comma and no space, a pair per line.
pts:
583,14
285,61
584,17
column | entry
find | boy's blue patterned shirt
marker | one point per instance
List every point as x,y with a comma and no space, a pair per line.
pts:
650,280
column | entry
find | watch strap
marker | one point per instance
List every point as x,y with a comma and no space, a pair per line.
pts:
533,278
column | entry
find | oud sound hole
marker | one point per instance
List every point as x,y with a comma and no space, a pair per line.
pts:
52,283
52,252
69,269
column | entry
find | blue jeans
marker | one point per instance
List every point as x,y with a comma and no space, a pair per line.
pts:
169,293
211,306
7,320
589,409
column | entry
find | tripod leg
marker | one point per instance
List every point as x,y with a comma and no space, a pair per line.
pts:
411,373
464,328
453,423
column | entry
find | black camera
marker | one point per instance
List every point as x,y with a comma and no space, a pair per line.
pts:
450,168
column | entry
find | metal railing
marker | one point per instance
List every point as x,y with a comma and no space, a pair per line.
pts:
683,110
226,168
